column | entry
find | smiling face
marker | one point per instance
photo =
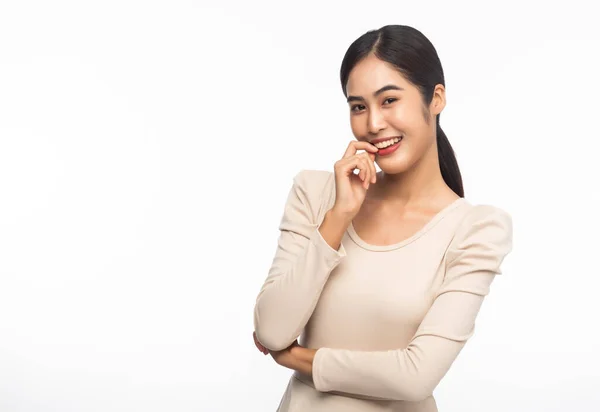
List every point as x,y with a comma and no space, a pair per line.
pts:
384,105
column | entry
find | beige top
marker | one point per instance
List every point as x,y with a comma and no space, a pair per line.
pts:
388,321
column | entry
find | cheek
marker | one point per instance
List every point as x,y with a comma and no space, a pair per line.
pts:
408,119
401,118
358,127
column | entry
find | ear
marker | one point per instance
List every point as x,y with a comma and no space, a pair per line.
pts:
438,102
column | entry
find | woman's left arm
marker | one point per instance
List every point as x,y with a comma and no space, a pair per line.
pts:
411,374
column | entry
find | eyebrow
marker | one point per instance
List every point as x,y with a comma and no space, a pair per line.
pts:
378,92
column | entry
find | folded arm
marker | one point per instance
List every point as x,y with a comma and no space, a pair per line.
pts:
412,373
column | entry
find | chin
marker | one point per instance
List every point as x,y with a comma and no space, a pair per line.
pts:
393,170
394,165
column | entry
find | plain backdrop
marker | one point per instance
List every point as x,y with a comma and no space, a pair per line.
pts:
146,151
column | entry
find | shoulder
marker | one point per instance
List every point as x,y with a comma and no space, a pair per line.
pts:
314,190
312,180
485,217
484,230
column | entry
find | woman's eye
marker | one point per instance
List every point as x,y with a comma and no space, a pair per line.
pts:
358,107
389,100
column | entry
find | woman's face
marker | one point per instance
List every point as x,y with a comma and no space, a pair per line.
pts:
383,105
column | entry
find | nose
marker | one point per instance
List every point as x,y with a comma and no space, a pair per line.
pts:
376,121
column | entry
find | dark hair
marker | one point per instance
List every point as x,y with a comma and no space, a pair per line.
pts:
407,49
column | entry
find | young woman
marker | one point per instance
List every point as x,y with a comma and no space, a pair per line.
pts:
382,274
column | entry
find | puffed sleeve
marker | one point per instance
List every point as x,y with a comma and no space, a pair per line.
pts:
301,266
473,259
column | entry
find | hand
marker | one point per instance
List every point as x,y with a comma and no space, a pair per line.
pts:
351,189
296,357
285,357
260,347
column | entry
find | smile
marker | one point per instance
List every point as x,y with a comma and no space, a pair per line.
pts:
388,146
386,143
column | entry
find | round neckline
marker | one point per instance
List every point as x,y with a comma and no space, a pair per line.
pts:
382,248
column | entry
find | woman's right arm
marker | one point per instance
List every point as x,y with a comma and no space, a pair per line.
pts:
307,252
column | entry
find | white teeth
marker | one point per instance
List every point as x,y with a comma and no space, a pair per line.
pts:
383,145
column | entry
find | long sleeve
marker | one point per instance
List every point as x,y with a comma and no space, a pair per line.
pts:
301,266
473,258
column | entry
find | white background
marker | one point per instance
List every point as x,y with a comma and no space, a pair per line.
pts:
146,150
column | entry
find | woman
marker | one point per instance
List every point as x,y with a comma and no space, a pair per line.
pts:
383,273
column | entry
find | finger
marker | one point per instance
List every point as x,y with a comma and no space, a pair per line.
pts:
259,345
356,162
371,157
369,166
355,146
369,173
364,171
347,166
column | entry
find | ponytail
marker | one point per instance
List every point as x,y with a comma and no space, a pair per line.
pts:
448,163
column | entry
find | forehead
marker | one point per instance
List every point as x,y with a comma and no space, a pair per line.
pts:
370,74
